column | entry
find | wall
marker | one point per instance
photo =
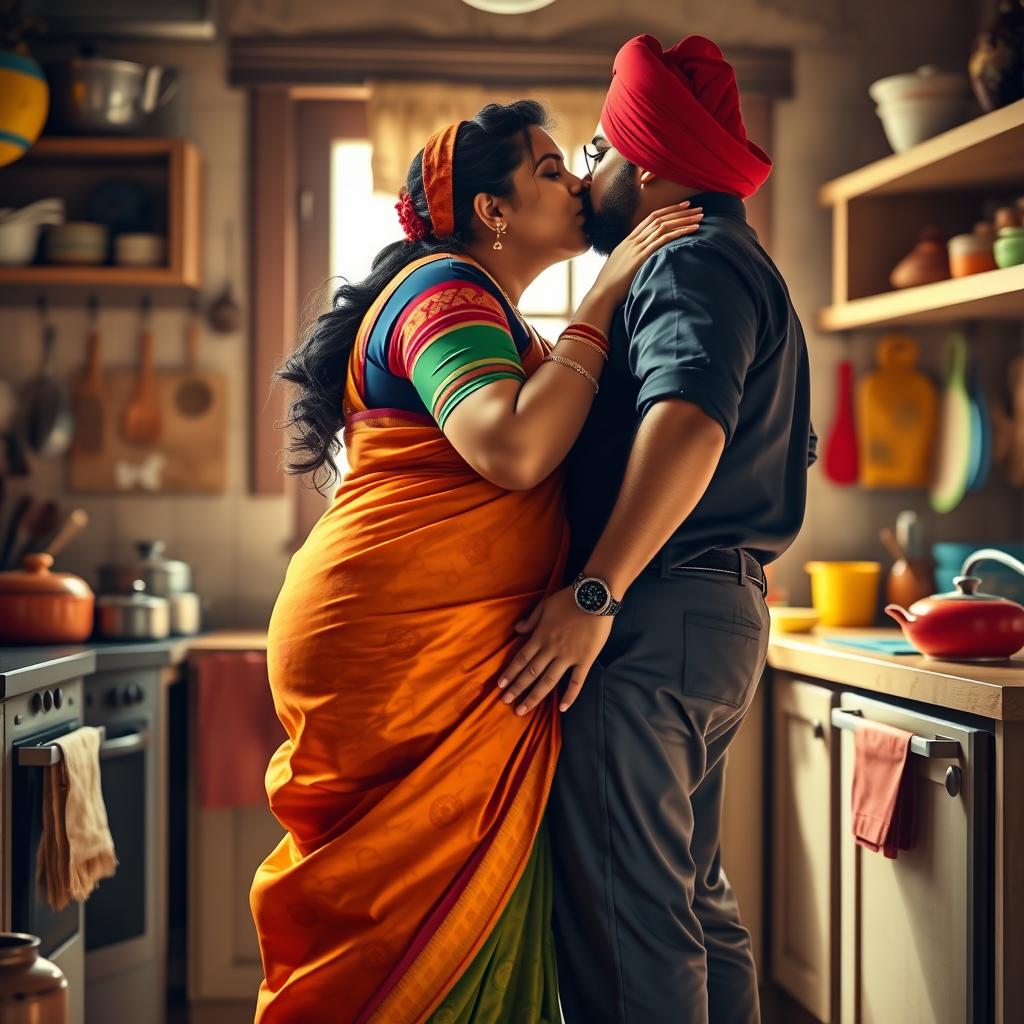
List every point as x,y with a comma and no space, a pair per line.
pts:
237,542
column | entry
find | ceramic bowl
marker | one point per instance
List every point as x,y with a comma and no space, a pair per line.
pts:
793,620
139,249
77,242
913,119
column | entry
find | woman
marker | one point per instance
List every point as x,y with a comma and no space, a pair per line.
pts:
413,883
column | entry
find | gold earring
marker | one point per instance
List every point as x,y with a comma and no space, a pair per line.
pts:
643,185
499,230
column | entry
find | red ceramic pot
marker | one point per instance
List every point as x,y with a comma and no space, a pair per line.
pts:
965,625
42,607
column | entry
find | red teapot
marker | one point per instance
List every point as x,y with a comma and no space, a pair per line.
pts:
965,625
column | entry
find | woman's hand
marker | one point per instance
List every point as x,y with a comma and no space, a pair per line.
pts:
660,228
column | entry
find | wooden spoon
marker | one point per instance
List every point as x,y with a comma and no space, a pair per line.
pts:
39,526
75,523
88,394
193,396
141,422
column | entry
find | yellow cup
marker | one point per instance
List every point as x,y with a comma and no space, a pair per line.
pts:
845,593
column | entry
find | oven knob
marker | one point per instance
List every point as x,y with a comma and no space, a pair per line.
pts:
37,703
113,697
134,694
58,698
47,700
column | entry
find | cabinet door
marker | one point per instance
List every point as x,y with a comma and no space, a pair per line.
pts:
742,836
915,937
805,877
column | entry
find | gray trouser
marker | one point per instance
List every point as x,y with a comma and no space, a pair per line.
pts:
646,925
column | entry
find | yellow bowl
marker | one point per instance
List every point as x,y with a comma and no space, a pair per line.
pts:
793,620
845,593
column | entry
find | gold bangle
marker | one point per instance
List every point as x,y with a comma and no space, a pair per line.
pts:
573,366
568,336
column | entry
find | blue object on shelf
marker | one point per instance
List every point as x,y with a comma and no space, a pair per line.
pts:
995,578
879,645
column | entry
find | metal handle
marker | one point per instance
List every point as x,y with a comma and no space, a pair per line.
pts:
48,754
923,746
123,745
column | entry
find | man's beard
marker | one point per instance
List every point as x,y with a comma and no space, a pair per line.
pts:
606,228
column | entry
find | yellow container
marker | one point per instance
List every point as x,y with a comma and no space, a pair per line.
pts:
845,593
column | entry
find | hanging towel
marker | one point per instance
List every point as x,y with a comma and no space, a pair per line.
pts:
884,808
237,727
76,850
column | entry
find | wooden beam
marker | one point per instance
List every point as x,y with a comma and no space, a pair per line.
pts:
268,62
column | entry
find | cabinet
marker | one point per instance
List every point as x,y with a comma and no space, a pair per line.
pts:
916,930
805,893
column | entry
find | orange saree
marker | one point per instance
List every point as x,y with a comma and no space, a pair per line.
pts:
411,796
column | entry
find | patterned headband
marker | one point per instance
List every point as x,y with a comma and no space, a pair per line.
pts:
438,159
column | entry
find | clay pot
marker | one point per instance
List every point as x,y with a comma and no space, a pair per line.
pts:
32,990
42,607
926,263
996,64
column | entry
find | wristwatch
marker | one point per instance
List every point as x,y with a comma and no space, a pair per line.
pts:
593,596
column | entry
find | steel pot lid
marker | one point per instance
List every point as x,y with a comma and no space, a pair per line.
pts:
137,599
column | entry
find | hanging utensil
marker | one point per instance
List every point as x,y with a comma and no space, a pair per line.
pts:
14,458
37,528
141,422
841,462
953,451
46,419
224,315
193,396
18,514
88,391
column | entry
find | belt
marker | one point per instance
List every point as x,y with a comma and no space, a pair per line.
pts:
726,562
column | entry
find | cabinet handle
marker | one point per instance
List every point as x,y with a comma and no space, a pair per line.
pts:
954,780
923,746
819,729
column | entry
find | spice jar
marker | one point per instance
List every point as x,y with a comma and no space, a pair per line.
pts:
971,254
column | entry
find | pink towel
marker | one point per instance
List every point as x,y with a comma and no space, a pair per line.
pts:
884,791
238,729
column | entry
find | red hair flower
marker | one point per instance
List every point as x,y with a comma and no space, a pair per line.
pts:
414,226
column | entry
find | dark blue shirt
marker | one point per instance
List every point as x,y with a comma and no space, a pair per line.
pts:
708,319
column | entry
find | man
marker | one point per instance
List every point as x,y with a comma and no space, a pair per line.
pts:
689,477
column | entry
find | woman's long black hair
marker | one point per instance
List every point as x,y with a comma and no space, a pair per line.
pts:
488,151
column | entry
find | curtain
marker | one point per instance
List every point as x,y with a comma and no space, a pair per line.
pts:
402,116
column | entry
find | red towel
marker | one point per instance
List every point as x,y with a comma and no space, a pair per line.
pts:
884,797
237,727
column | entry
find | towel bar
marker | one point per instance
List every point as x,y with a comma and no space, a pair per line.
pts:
47,754
921,745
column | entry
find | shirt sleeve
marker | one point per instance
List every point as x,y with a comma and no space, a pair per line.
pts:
692,326
450,341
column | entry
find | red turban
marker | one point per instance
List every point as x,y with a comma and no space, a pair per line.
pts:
677,114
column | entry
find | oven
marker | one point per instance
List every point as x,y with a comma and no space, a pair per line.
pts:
126,917
32,721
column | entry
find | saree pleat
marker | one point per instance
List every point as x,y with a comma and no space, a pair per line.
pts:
412,798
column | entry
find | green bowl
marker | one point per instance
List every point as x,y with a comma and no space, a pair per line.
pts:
1009,247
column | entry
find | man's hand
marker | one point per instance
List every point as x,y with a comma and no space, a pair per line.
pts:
562,638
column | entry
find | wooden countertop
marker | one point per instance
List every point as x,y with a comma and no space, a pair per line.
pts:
992,690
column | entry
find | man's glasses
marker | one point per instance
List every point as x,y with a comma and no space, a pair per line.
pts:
592,155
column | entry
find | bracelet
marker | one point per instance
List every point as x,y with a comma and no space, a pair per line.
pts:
578,327
580,340
573,366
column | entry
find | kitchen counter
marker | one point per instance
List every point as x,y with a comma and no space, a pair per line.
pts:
992,690
28,668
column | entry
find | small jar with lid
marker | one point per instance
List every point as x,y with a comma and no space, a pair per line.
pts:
972,254
1009,249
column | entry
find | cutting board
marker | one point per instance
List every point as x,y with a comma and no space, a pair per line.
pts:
896,418
189,457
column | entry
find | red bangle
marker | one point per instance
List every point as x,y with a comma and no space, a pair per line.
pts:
590,332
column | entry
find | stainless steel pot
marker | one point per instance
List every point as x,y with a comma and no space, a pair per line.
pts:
162,576
135,616
186,614
97,94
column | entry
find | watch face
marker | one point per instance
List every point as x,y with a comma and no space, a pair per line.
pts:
592,596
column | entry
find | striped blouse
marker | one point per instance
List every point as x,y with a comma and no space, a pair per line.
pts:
446,332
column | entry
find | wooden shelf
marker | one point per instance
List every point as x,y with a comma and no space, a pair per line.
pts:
996,295
71,167
879,211
987,152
